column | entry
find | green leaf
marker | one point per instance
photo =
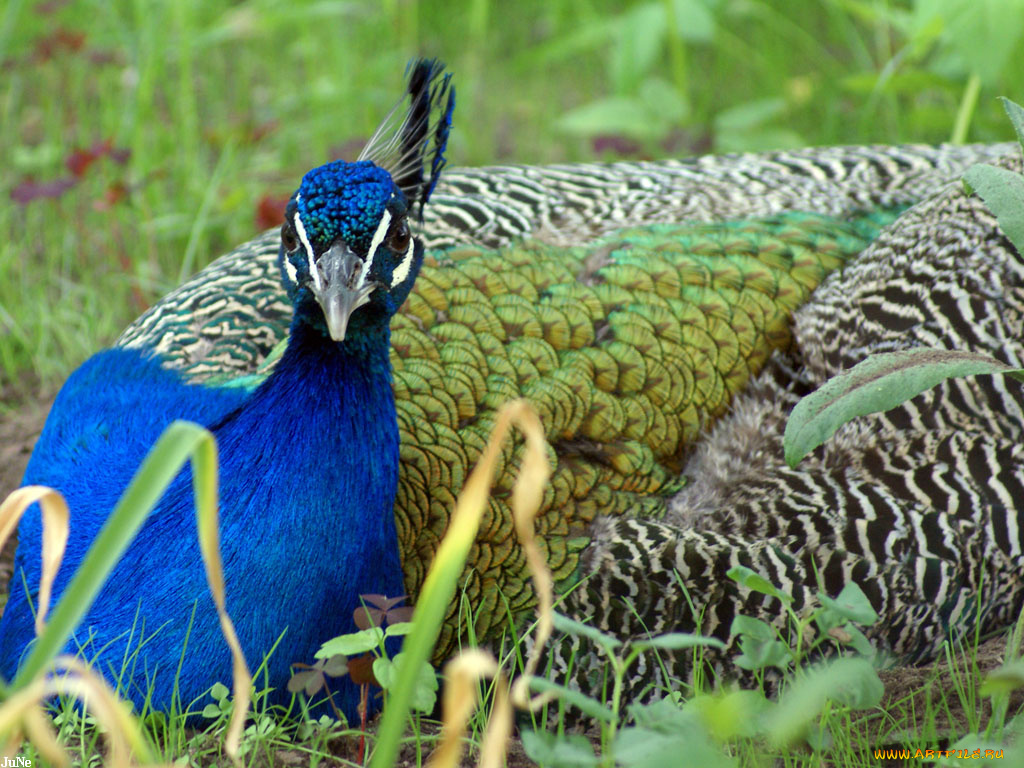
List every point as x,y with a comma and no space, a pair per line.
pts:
424,689
384,671
655,749
561,751
849,681
639,42
336,666
750,114
732,714
755,581
1003,193
1004,679
219,692
983,33
859,641
661,98
876,384
755,628
664,715
851,604
1016,114
352,644
758,654
676,641
398,629
981,751
620,115
694,20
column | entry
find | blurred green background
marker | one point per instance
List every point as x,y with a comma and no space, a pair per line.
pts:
142,139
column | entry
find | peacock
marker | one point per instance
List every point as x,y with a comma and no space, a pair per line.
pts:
628,302
646,309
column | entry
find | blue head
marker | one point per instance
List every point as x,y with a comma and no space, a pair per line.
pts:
348,256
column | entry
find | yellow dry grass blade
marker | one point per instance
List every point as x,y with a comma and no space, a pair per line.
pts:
208,523
463,675
55,535
442,580
22,715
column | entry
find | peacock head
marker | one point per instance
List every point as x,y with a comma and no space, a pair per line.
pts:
348,255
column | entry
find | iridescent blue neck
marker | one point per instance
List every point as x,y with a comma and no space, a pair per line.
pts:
321,435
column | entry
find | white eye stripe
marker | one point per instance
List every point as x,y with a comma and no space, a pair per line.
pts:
289,269
402,270
378,238
300,230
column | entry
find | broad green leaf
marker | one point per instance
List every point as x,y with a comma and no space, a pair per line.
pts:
732,714
352,644
398,629
980,751
1003,193
662,98
663,715
859,641
639,42
984,34
851,604
849,681
219,692
655,749
1016,114
1004,679
755,581
758,654
881,382
619,115
755,628
560,751
425,688
695,21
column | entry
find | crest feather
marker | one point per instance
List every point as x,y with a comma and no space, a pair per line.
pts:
410,145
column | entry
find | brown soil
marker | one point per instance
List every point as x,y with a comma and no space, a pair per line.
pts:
19,430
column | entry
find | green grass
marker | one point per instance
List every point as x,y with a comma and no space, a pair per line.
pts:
223,103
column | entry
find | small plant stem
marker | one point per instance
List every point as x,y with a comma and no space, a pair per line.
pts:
968,103
619,667
364,694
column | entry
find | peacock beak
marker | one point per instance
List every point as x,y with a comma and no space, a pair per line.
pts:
339,287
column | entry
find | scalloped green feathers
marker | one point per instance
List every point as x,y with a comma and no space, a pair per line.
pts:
628,348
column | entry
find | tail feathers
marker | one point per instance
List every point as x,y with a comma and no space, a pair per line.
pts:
406,144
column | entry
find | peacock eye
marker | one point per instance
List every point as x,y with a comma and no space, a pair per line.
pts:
288,238
398,239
